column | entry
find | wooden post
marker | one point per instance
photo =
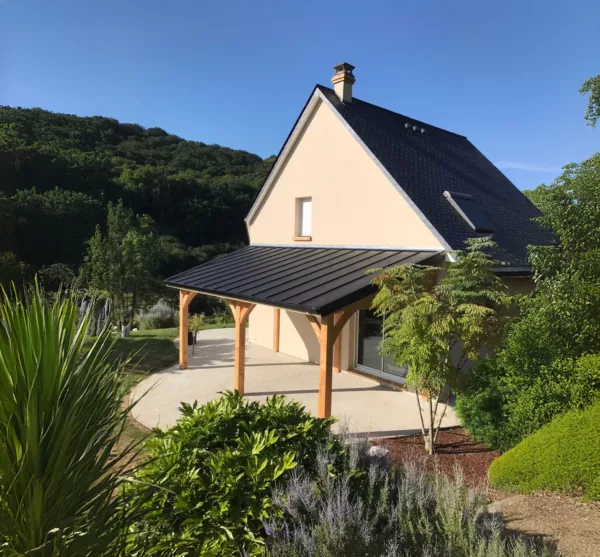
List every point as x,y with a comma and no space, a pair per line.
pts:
328,332
240,355
325,373
337,347
185,297
276,318
241,311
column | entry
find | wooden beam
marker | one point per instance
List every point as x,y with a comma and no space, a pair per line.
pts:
185,297
276,324
316,325
347,312
325,371
241,311
337,347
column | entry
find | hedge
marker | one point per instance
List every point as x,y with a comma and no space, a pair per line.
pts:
562,456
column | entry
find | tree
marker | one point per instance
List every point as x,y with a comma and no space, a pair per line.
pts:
54,226
59,172
592,86
123,264
435,329
537,369
195,324
61,417
11,270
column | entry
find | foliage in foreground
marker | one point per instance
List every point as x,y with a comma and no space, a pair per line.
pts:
205,489
562,456
60,417
435,329
538,370
373,510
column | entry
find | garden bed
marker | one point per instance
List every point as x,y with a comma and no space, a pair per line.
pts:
454,448
573,523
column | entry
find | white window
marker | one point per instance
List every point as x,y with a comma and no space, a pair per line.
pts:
303,216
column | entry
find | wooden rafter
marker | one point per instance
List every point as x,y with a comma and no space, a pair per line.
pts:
346,313
316,325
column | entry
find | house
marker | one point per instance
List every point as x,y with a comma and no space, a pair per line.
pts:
355,187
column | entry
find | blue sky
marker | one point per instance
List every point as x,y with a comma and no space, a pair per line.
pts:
504,73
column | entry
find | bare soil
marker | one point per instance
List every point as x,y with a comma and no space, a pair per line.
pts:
454,449
572,523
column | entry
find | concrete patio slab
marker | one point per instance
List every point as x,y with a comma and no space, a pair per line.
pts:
364,405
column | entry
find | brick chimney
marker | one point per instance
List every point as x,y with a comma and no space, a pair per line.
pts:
343,81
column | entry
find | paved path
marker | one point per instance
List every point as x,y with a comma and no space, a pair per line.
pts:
364,405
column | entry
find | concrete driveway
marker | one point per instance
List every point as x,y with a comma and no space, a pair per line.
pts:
364,405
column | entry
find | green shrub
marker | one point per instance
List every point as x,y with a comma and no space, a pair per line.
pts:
563,456
479,406
220,317
370,509
533,401
160,316
501,407
206,487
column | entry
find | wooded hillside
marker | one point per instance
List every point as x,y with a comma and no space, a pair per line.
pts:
59,172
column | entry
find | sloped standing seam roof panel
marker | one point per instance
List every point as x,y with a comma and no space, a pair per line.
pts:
425,164
318,281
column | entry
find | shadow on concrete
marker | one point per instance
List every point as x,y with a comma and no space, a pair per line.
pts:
247,365
316,391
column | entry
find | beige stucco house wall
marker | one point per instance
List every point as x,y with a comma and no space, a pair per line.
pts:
353,204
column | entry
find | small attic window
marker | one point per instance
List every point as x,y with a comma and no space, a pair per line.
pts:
466,206
303,217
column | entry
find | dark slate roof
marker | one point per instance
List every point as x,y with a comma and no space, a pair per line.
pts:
318,281
426,165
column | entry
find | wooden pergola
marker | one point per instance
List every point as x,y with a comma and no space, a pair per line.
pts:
327,284
327,329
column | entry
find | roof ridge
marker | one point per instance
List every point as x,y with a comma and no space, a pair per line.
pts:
398,114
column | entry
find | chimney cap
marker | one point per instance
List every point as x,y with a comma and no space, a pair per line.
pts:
344,67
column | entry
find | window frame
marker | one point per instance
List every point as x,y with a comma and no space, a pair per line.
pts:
302,229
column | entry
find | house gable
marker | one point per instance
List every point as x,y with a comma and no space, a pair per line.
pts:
354,200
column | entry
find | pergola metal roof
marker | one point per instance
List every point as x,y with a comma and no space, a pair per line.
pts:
318,281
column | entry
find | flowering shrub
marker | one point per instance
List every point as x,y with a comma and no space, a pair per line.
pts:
370,509
160,316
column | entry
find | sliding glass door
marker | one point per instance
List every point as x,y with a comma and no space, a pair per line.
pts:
370,335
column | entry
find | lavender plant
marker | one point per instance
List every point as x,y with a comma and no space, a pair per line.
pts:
374,510
160,316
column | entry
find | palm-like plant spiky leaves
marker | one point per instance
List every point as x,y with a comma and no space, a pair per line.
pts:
60,418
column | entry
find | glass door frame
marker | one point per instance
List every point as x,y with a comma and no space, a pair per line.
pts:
371,370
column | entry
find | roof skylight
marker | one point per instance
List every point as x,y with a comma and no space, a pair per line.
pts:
466,206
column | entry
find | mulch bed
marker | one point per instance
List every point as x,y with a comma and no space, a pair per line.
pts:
454,448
